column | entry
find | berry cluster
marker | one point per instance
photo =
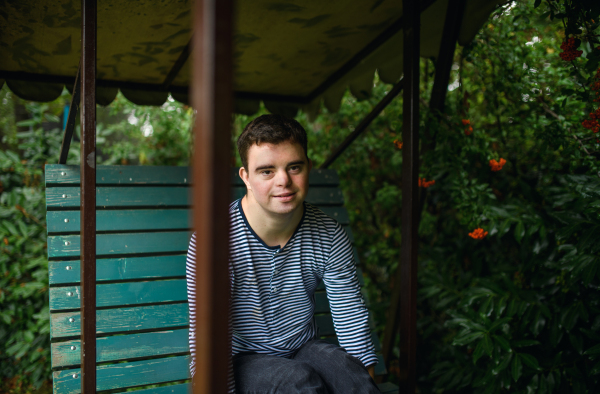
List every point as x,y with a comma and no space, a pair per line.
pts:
424,183
592,123
497,165
398,144
469,129
570,51
478,233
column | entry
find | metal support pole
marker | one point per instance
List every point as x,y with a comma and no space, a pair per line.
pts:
452,23
444,60
88,197
397,88
410,196
70,126
454,16
212,97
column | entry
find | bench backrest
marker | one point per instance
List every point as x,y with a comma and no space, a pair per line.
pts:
143,230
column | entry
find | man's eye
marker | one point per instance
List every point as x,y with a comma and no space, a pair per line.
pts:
295,168
266,172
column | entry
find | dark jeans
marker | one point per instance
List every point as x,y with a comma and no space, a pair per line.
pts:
317,367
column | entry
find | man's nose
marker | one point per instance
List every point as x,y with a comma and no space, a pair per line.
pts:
282,178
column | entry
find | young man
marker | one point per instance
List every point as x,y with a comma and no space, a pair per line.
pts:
280,249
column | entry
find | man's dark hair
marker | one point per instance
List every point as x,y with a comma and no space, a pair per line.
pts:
270,129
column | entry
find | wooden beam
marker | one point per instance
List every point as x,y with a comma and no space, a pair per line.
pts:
444,61
88,196
183,57
362,126
71,117
407,271
443,65
212,97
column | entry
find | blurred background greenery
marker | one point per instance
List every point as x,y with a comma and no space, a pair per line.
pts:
514,310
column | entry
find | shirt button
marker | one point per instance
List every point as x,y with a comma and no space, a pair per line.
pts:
273,289
275,272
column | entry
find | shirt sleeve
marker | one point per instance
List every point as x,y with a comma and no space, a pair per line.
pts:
190,276
350,315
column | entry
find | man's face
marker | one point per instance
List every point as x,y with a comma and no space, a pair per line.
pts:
277,176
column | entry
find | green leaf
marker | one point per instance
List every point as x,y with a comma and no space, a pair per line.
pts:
468,337
570,318
487,307
504,227
516,368
488,346
530,361
525,343
519,231
596,369
551,381
22,228
503,342
537,3
533,385
498,323
479,350
593,351
10,227
513,306
577,342
503,364
537,323
501,305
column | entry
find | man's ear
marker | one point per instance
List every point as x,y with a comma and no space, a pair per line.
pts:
244,175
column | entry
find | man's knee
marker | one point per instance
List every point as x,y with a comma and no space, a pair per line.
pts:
302,377
258,374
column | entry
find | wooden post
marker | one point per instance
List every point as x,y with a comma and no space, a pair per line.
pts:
444,60
88,196
410,196
212,97
70,126
362,126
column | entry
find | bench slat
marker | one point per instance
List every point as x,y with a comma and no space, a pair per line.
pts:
152,317
122,220
116,376
144,219
60,174
152,196
121,294
183,388
60,246
125,268
123,347
126,196
155,175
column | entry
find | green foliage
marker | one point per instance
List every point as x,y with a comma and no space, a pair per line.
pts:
24,312
518,310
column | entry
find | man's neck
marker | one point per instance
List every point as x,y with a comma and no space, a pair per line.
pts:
273,229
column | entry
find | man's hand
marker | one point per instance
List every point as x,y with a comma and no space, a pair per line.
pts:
371,370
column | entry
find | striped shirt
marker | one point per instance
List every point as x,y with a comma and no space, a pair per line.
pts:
272,288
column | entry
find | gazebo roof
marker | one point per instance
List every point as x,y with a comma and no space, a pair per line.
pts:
288,54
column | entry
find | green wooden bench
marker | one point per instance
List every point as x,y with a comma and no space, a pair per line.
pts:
143,231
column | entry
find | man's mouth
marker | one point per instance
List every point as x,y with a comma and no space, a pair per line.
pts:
285,196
